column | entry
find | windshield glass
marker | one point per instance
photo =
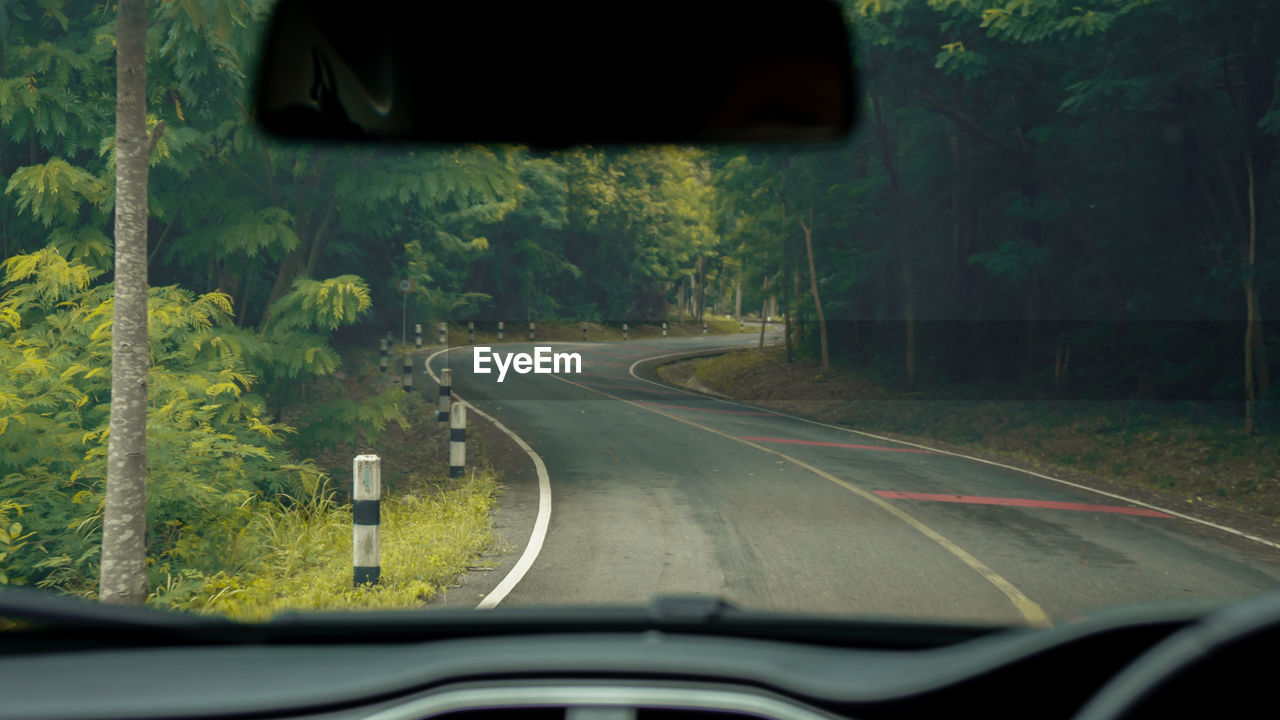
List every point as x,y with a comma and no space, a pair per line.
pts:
1004,356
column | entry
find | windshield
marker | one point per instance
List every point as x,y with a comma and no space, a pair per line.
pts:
1004,356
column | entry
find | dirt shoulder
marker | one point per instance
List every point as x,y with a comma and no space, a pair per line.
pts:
1180,458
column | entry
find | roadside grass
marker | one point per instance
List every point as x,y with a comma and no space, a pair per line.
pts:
428,539
297,550
1184,449
561,331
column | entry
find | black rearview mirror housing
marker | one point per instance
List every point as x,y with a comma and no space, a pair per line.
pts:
552,74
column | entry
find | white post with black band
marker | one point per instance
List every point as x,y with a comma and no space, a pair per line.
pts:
457,440
382,353
446,394
406,381
664,329
624,331
500,324
530,332
444,328
417,334
366,515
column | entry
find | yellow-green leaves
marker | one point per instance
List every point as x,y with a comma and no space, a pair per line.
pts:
325,304
54,191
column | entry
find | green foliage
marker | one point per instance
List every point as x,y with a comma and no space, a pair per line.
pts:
320,304
211,447
304,559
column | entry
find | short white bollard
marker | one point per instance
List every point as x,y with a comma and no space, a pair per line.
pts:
444,329
446,394
406,376
417,334
624,331
704,328
382,352
500,329
471,332
457,440
584,332
664,329
366,515
530,332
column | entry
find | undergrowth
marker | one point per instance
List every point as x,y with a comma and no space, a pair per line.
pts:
428,538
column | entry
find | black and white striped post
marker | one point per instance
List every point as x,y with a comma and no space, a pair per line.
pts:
366,514
457,440
739,324
406,374
444,330
417,334
471,332
530,332
584,332
446,395
704,327
664,329
382,355
500,325
624,331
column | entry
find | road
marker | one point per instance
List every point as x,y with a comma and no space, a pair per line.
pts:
655,490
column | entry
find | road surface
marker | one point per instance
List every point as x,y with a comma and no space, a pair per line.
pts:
655,490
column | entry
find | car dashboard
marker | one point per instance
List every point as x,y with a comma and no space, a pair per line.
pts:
518,667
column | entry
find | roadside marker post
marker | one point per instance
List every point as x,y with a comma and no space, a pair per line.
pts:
664,329
624,331
704,327
584,332
471,332
417,334
444,329
500,324
382,355
457,440
366,514
530,332
406,379
446,395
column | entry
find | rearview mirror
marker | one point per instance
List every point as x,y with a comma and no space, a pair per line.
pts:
557,73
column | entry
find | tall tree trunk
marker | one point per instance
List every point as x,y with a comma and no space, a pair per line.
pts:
764,303
737,297
1252,326
123,578
813,290
887,152
786,288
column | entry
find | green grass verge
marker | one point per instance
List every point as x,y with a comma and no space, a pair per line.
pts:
428,539
560,331
1170,447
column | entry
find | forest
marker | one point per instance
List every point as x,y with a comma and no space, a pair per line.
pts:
1070,200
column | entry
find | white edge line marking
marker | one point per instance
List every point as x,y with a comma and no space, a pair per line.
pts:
1078,486
540,523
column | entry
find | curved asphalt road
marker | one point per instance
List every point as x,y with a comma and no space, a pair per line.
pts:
660,491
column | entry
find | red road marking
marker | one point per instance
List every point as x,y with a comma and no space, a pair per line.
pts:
836,444
1019,502
690,407
637,388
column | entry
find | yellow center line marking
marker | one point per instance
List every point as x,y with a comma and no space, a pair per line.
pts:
1030,610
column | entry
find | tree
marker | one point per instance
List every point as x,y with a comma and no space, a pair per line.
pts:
123,578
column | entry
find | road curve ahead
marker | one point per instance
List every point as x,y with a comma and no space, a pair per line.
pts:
661,491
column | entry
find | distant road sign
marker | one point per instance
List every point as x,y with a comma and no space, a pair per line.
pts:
406,285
